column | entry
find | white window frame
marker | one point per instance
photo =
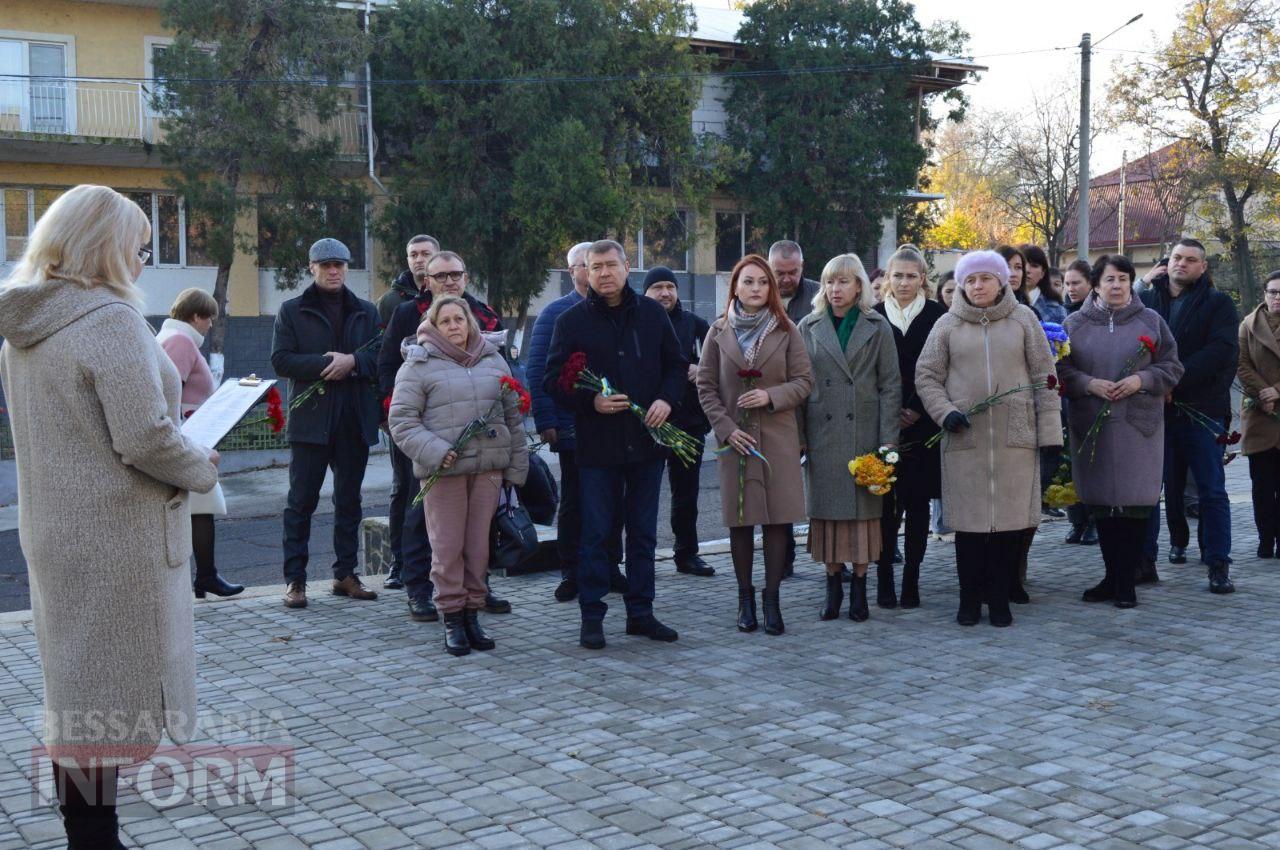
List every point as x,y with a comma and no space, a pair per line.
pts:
183,260
742,232
643,263
68,43
31,223
149,43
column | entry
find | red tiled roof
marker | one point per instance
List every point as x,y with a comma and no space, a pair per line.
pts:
1145,221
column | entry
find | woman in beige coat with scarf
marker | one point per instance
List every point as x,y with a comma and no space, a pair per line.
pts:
853,409
1259,372
753,374
103,477
989,343
452,376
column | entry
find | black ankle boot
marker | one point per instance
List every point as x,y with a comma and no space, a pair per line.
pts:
835,597
858,599
216,585
475,634
1103,591
910,597
455,634
886,597
772,613
91,827
747,609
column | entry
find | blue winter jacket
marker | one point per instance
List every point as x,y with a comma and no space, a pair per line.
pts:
546,412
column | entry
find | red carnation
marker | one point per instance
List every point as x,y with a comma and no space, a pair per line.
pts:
573,367
750,374
1148,343
1222,440
524,402
1234,438
1051,382
386,406
275,411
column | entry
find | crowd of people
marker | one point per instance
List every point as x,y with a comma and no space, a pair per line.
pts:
971,392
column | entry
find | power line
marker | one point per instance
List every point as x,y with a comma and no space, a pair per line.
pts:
544,80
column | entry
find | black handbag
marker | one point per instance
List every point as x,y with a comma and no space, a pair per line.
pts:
512,536
540,495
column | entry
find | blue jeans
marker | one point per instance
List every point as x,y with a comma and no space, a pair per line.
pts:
627,493
1190,445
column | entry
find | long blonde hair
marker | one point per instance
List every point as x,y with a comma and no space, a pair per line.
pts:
87,237
847,265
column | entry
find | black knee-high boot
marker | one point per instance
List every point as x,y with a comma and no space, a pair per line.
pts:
87,799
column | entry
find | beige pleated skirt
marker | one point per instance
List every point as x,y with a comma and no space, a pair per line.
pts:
844,541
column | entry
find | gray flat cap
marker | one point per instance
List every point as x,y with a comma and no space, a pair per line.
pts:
329,249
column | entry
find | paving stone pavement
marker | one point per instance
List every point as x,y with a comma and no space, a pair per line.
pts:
1081,726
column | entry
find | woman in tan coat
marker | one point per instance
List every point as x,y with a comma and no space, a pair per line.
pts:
103,477
989,343
1259,372
753,374
853,409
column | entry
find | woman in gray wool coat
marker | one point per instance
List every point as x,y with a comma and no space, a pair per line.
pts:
1123,356
853,409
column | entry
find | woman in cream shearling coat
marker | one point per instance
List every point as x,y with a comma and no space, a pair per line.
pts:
103,477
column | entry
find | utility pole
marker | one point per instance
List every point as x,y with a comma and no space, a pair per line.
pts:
1082,190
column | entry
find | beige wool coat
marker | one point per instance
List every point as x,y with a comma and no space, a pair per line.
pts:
853,409
991,470
1258,368
103,477
775,496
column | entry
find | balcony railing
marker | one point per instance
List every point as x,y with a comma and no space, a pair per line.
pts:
120,110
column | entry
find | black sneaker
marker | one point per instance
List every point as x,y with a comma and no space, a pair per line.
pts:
422,611
1220,578
592,634
652,629
393,580
567,590
495,605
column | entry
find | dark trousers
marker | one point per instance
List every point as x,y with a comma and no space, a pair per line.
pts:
986,564
1188,445
916,511
347,455
1264,473
569,520
415,549
404,487
1121,541
627,494
685,481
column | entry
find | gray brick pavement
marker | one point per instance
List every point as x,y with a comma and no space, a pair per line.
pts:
1081,726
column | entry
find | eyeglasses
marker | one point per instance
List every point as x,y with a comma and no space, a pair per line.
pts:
1273,293
144,254
441,277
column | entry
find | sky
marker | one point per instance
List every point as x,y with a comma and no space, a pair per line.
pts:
1021,57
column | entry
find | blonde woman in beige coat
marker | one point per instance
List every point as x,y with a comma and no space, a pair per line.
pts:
1259,373
989,343
103,477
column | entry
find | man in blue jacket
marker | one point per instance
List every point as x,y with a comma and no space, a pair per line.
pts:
555,428
628,341
327,335
1204,324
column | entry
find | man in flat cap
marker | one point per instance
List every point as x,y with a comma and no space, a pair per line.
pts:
326,339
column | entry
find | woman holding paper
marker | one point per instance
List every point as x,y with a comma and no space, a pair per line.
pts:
103,477
181,336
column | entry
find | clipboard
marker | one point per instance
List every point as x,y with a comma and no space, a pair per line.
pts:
223,410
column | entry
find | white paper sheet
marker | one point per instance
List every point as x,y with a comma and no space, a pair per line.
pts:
222,411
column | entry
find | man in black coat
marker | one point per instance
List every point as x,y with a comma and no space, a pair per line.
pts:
691,329
1204,323
628,341
446,274
412,280
327,335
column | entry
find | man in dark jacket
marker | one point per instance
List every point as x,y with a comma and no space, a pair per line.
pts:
412,280
446,275
628,341
326,336
691,329
797,291
554,424
1204,323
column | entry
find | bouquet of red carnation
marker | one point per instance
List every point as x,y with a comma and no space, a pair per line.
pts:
575,375
275,412
1147,346
507,386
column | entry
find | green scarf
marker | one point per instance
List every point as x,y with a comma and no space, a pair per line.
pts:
844,327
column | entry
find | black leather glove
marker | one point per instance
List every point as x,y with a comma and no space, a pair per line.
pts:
955,421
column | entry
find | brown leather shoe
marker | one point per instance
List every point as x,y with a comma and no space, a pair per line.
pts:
351,586
296,595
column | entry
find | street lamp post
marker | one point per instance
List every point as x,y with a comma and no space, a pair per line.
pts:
1082,191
